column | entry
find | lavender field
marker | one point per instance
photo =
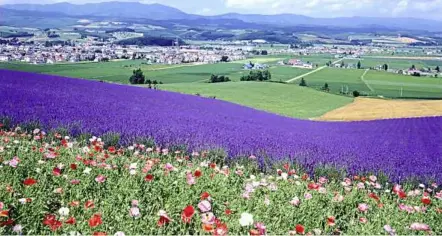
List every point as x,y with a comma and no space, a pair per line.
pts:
400,148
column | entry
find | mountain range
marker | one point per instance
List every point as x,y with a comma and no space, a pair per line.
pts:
162,12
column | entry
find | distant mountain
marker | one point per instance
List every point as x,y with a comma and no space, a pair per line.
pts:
108,9
162,12
347,22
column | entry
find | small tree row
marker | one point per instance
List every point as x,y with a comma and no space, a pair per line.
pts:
257,75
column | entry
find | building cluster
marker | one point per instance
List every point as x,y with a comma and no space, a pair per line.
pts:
43,54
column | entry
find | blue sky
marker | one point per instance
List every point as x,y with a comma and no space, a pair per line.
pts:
430,9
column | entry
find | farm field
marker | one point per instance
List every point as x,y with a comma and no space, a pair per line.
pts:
284,99
336,78
390,85
398,63
373,109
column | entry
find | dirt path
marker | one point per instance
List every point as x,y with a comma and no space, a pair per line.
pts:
311,72
373,109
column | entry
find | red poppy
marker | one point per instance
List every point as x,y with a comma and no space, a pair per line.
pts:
71,221
304,176
7,223
313,186
363,179
148,178
4,213
205,195
64,143
426,200
95,220
299,229
401,194
74,203
254,232
331,220
163,220
99,234
197,173
207,227
286,166
187,214
89,204
374,196
56,171
111,149
228,212
212,165
29,182
73,166
221,230
51,221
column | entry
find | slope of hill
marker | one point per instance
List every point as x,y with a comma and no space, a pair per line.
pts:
111,9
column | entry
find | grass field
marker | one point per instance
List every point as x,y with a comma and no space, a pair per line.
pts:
285,99
390,85
336,78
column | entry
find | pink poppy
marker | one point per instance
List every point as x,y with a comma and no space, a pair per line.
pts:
208,218
204,206
134,212
100,178
362,207
419,227
363,220
75,181
308,196
295,201
323,180
372,178
190,179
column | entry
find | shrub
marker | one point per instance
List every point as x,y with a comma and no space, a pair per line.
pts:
218,79
257,75
356,93
303,83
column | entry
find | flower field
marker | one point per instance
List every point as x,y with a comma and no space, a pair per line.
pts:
398,148
52,184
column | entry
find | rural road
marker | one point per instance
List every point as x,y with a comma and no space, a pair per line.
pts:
311,72
365,82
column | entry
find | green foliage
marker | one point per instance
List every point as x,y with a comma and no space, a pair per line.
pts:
257,75
359,65
303,83
437,69
137,77
218,79
356,93
224,59
111,139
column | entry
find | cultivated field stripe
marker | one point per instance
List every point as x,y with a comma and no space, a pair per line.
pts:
311,72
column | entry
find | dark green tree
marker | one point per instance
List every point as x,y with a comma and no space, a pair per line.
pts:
413,67
326,88
356,93
342,64
437,69
137,77
385,67
359,65
224,58
303,83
